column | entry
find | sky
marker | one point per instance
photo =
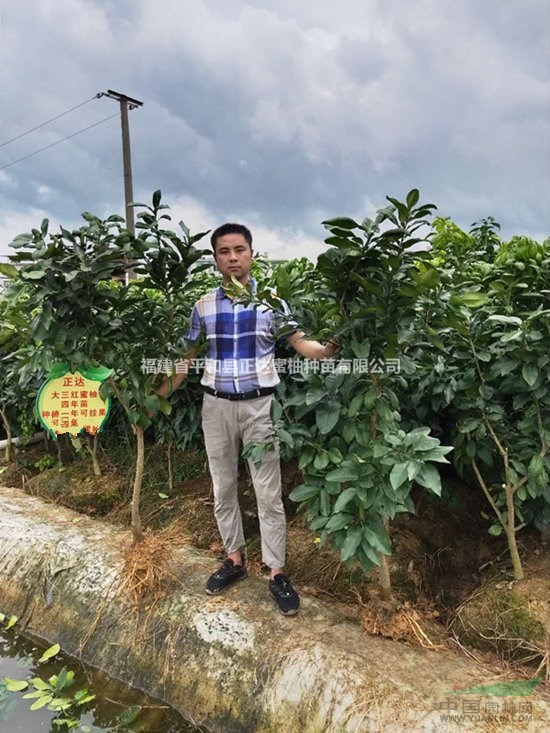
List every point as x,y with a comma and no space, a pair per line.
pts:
277,114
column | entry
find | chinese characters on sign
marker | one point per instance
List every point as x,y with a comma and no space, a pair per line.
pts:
71,403
293,365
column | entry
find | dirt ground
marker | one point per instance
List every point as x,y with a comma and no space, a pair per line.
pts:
442,555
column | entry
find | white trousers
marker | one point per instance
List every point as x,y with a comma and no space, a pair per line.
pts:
225,423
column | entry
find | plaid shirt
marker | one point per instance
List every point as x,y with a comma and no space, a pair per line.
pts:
241,341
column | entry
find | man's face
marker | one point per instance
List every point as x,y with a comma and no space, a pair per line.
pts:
233,256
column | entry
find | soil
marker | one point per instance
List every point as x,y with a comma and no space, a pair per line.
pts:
442,555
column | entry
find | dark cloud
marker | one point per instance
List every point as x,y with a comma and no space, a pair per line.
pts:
281,113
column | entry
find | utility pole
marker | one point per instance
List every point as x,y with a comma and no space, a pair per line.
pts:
126,103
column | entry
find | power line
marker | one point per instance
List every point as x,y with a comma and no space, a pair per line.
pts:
43,124
8,165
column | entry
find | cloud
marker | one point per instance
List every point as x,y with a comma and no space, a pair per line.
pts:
282,242
13,224
282,113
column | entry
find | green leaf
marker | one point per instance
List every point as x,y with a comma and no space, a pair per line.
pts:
366,564
345,497
339,242
351,543
321,461
85,699
152,402
96,373
8,270
429,477
39,684
11,623
58,370
60,703
305,459
41,702
511,336
471,299
495,529
335,455
49,653
314,395
537,466
371,554
506,319
134,417
15,685
379,450
338,522
304,492
361,349
344,473
530,373
398,474
64,679
468,424
413,197
163,496
165,406
326,416
318,523
355,405
32,274
342,222
380,542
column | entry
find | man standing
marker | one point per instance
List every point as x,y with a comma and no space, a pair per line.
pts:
239,381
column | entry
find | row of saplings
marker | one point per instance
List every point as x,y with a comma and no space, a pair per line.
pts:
445,347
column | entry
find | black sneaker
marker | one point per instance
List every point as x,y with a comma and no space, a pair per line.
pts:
284,594
224,577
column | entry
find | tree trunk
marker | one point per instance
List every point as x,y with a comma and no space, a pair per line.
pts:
137,532
384,579
170,469
511,533
384,572
93,455
59,454
9,437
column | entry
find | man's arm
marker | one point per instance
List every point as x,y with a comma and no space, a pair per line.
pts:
312,349
172,383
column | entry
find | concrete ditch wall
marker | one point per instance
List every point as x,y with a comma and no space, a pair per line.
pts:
230,663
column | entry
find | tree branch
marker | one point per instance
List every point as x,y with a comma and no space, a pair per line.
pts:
487,493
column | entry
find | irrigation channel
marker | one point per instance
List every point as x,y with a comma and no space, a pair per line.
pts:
115,707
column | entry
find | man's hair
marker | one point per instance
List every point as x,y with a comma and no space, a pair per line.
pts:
231,228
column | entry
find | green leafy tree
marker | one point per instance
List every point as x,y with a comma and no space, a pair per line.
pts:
488,382
153,313
357,461
70,281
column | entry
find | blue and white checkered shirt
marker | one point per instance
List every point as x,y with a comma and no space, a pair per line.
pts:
241,341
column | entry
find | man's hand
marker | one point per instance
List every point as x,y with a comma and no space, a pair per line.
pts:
312,349
332,347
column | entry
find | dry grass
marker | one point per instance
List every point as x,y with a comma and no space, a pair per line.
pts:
395,620
499,618
149,570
